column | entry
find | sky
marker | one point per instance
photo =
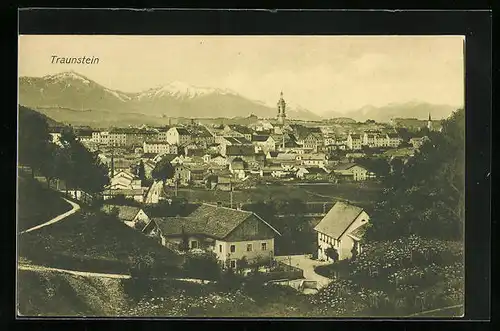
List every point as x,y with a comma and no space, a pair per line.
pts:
319,73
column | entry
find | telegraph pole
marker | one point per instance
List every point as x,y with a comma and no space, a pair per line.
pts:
231,196
112,172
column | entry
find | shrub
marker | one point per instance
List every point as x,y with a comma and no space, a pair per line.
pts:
205,266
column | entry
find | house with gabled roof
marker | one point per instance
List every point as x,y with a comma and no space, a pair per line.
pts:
239,130
130,215
230,233
354,141
351,171
264,143
215,159
342,229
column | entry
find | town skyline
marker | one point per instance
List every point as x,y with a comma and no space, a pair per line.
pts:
380,70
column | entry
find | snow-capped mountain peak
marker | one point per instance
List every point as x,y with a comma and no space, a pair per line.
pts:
182,90
65,75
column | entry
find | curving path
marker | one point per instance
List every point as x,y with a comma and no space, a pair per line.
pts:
72,272
154,192
31,267
74,209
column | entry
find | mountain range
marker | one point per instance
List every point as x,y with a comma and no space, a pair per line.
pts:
71,97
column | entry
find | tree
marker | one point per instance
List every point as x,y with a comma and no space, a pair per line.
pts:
205,265
354,252
84,170
52,164
404,133
33,137
184,240
242,263
332,254
140,171
163,170
141,265
379,166
426,196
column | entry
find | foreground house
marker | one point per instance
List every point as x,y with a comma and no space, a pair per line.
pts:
230,233
342,228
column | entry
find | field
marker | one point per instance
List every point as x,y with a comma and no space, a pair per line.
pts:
357,193
56,294
37,204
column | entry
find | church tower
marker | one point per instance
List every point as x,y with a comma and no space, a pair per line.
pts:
429,123
281,110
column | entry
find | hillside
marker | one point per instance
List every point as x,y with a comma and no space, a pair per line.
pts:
39,203
50,121
72,92
57,294
94,242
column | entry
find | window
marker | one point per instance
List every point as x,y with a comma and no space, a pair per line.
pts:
233,264
264,246
249,247
194,244
220,248
233,249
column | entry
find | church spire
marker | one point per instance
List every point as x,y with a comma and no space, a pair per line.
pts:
429,122
281,109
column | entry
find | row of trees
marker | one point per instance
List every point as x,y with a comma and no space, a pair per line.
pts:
426,195
69,160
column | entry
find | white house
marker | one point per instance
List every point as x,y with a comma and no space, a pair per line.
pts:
215,159
159,147
351,171
265,143
342,228
354,141
393,140
315,160
178,136
126,184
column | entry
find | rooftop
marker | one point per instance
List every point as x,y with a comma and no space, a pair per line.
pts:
260,138
238,141
338,219
345,166
125,213
241,129
210,220
240,150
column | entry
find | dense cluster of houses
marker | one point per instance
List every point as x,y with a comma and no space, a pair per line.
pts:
218,156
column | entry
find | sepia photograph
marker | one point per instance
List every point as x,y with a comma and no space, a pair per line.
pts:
223,176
